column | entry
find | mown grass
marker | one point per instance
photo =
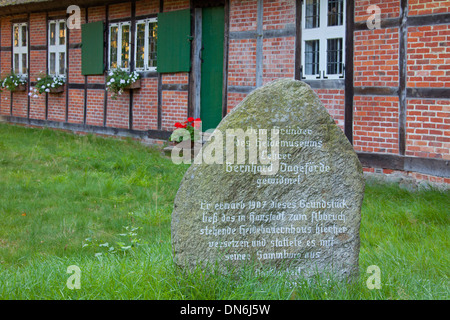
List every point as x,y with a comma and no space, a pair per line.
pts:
58,189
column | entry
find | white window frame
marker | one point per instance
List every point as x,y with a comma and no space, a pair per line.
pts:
20,50
57,48
119,26
322,33
146,48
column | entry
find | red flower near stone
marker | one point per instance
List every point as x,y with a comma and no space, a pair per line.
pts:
179,125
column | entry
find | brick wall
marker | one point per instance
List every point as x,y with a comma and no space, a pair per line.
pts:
428,66
429,56
428,128
421,7
376,125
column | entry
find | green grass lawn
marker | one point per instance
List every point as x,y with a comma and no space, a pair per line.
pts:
87,201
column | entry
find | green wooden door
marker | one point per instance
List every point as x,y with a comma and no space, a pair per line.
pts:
212,67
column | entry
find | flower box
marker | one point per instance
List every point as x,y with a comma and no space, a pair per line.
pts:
57,89
134,85
20,88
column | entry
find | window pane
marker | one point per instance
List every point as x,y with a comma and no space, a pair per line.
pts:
125,46
312,14
140,45
24,36
335,12
16,62
312,57
113,47
52,62
334,56
152,37
52,34
16,36
62,33
24,63
62,62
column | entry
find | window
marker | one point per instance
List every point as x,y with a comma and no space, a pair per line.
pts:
145,50
119,45
57,48
20,48
323,36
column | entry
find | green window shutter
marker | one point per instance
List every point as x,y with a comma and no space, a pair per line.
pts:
92,48
174,41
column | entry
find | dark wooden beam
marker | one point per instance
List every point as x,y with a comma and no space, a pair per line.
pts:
403,68
105,64
86,17
159,107
12,67
384,24
431,166
79,127
193,72
428,93
89,86
298,39
376,91
38,48
46,62
428,20
28,65
259,43
413,21
241,89
349,53
226,46
325,84
175,87
67,73
132,64
288,31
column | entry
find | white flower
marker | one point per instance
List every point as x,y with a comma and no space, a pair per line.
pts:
35,96
38,79
53,85
47,90
30,94
43,87
111,74
122,81
112,80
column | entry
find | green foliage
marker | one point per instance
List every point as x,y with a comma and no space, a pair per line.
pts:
119,79
12,81
46,82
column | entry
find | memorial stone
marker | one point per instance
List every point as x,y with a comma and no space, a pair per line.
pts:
296,209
